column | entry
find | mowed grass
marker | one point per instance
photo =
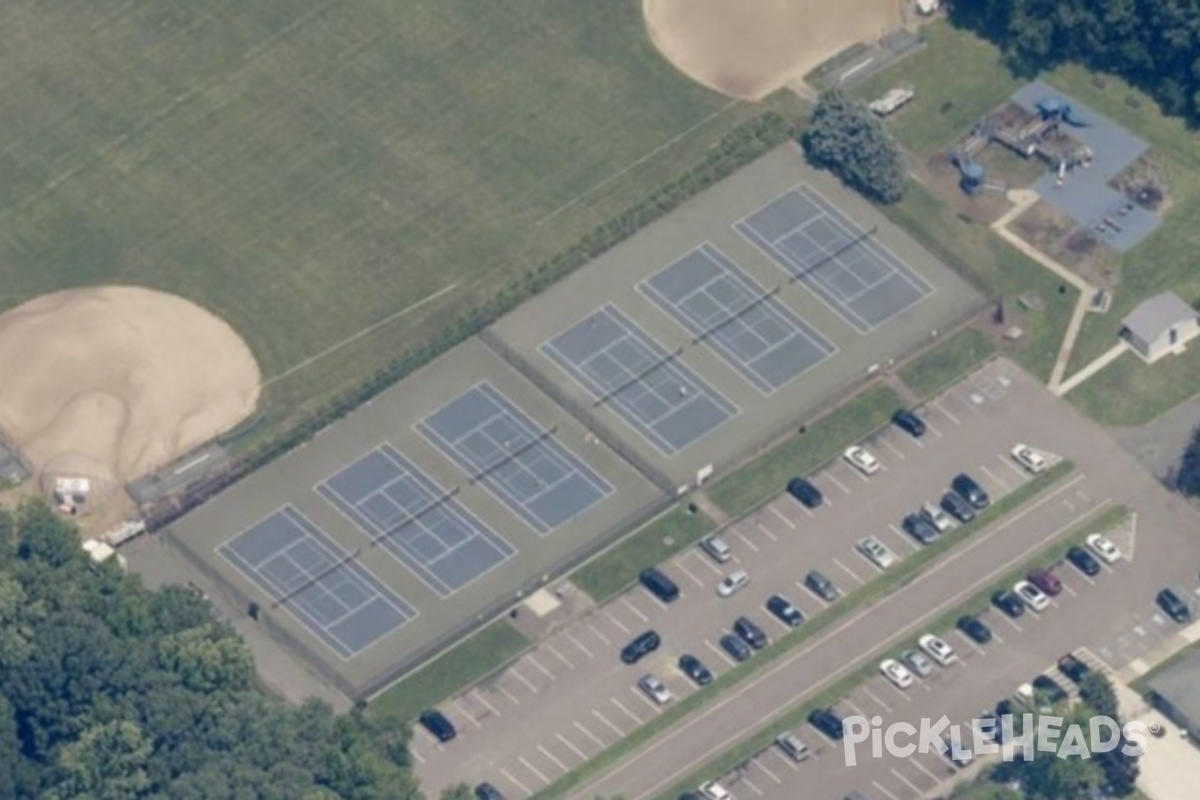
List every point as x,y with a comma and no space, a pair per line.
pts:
946,363
305,169
466,663
1131,392
821,441
658,540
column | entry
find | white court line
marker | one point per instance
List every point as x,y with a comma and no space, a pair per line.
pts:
511,779
942,410
483,701
884,791
906,781
532,769
590,735
551,756
462,713
849,572
579,645
687,572
615,621
894,449
558,655
785,520
571,747
598,634
540,668
522,679
620,733
836,482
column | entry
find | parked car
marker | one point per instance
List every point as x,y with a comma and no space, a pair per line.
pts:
897,673
919,528
973,629
861,459
751,633
733,582
803,490
694,668
878,552
717,548
1073,668
784,611
714,791
643,645
1050,689
790,744
1174,607
485,791
1045,580
1009,603
1029,458
658,584
918,662
821,586
909,422
436,723
827,722
737,649
936,517
956,506
654,688
1083,561
937,649
1031,595
970,489
1102,546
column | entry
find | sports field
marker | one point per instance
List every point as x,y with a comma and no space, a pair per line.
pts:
305,169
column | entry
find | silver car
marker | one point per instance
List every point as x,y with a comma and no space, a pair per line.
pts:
877,552
918,662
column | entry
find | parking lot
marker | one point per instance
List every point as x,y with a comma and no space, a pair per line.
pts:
567,700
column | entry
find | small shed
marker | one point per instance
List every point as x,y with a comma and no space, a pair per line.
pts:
1160,325
1176,692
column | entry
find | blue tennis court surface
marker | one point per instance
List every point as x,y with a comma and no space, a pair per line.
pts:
750,329
424,527
845,266
500,447
299,567
619,364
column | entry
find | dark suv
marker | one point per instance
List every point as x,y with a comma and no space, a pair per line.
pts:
754,636
485,791
970,489
821,586
974,629
1083,561
909,422
1176,609
643,645
954,505
782,608
827,722
694,668
1073,668
658,584
919,528
1009,603
436,723
803,490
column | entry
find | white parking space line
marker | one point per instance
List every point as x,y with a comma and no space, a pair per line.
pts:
512,779
612,618
786,761
836,482
916,762
483,701
767,772
1068,505
598,634
637,720
876,700
688,573
966,639
746,541
900,776
1070,591
753,788
808,512
932,428
884,791
532,769
908,540
728,659
849,572
511,697
767,532
462,712
895,450
785,520
900,692
599,742
636,611
579,645
522,679
420,758
941,410
1012,622
620,733
654,708
571,747
860,476
993,477
554,652
552,758
539,667
1022,475
853,708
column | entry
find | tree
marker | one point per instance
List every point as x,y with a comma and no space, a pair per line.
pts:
1120,770
459,792
107,763
1096,691
1187,479
845,137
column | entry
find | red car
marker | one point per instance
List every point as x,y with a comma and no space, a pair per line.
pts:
1045,580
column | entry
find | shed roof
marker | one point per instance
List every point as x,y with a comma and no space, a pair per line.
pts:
1180,685
1157,315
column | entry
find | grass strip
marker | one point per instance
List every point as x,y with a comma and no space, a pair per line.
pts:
819,442
904,573
752,746
946,363
474,658
655,542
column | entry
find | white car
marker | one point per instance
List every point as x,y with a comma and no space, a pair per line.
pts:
653,687
1103,547
936,517
937,649
897,673
733,582
877,552
715,791
862,460
1029,458
1031,595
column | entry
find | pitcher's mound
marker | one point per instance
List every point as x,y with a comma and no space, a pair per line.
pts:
115,381
749,48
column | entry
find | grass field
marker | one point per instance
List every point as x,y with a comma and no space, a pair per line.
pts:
822,440
305,169
946,363
661,538
1130,392
449,673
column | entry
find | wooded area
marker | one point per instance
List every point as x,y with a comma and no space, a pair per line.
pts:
111,692
1154,44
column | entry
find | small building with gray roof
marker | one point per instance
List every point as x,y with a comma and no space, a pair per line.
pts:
1160,325
1176,692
